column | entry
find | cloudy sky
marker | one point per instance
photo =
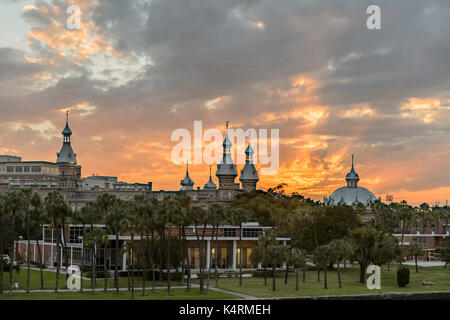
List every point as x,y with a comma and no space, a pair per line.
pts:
137,70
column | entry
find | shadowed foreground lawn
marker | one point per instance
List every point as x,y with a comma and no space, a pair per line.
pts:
350,283
178,294
50,281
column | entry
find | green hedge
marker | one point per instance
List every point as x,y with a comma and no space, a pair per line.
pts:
403,276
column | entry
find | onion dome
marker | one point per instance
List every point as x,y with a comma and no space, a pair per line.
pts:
187,183
66,154
210,184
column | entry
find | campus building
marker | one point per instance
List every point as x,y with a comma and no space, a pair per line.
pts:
65,176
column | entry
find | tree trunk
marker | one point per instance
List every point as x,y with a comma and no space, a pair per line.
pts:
12,252
28,253
240,255
339,274
274,277
105,270
58,258
1,266
168,264
318,275
296,279
116,266
286,275
188,278
417,269
132,266
304,273
152,263
362,273
265,274
93,268
325,283
143,262
82,259
66,254
210,260
183,253
41,265
217,257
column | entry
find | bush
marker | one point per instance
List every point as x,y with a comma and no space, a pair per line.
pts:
402,276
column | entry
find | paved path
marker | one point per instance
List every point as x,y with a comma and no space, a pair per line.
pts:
241,295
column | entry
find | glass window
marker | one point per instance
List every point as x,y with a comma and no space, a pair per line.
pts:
18,169
36,169
26,169
250,232
229,232
420,240
10,169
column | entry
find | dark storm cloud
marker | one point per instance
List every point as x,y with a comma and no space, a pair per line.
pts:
250,52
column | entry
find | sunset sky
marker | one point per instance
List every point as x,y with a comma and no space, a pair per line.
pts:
137,70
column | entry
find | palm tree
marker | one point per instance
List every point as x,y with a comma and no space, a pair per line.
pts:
276,254
37,219
115,224
340,250
322,257
5,234
200,218
132,226
26,198
297,259
95,238
238,216
217,214
415,250
56,208
13,202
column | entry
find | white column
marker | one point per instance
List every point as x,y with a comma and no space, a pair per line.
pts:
34,251
259,265
284,264
71,255
208,253
234,255
124,261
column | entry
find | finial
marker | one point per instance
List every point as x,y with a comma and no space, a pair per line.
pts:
67,116
210,171
227,123
353,155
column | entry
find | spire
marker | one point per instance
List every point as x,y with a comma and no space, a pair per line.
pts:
249,152
249,174
227,147
352,177
66,155
187,183
67,132
210,185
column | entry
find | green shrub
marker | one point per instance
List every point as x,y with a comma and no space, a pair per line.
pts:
402,276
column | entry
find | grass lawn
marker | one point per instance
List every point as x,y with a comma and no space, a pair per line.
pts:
50,281
177,294
350,283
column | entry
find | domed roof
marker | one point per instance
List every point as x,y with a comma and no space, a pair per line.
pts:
350,196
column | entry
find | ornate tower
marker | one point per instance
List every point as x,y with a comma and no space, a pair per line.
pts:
210,185
69,172
187,183
249,175
352,177
226,169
